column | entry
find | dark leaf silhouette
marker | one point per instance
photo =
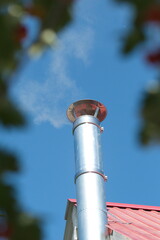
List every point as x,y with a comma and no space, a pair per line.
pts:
53,15
146,13
8,203
132,40
9,114
8,162
150,113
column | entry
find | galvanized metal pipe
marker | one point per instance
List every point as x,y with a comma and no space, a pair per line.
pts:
89,179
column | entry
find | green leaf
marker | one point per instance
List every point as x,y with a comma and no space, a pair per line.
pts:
151,107
139,4
8,162
26,228
150,113
58,14
9,114
8,202
132,40
149,133
3,87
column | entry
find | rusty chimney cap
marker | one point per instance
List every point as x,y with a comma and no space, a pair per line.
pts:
86,107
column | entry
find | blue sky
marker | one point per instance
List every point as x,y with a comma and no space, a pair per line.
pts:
85,63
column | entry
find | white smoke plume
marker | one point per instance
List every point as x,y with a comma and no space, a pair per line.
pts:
47,100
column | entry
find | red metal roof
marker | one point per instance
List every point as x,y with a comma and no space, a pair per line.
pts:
138,222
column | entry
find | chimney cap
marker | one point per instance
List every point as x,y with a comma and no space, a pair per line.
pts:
86,107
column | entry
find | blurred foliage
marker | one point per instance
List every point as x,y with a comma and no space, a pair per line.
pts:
52,15
150,112
146,14
8,162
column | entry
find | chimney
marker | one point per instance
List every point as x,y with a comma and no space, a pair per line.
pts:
86,116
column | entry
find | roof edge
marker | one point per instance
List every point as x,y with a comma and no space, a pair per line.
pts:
133,206
124,205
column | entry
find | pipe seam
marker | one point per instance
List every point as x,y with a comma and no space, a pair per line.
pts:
92,171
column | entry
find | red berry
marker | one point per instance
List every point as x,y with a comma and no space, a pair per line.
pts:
37,11
154,57
20,33
5,232
153,14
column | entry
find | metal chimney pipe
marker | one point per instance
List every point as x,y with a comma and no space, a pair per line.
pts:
86,116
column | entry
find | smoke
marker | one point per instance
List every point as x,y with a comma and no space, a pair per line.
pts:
48,99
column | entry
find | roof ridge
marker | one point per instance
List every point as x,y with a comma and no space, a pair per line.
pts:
134,206
126,205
